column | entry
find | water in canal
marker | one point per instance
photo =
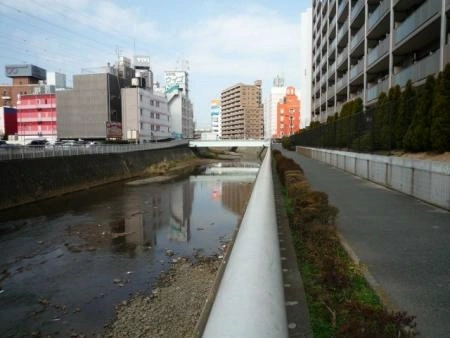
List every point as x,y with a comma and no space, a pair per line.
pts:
66,262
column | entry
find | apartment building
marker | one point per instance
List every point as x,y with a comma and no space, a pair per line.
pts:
242,112
363,47
36,116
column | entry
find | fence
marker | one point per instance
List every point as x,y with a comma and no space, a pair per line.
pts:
24,152
379,127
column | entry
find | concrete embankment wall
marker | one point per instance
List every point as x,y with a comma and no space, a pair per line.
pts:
29,180
425,180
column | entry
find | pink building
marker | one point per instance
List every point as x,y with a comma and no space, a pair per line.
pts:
36,117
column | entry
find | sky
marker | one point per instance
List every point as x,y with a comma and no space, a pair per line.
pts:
224,42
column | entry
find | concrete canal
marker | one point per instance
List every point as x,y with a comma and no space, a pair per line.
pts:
65,263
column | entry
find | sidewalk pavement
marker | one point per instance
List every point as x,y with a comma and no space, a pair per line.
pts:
403,242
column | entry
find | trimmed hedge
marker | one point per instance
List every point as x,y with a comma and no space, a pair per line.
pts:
340,301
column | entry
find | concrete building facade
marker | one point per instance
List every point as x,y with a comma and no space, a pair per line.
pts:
180,105
288,114
242,112
58,80
88,109
145,115
361,48
277,92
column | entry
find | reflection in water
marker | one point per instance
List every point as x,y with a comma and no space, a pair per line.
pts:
69,250
181,199
235,196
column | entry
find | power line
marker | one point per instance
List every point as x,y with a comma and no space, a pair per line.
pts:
55,25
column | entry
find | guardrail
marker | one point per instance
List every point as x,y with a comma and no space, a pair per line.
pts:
250,298
24,152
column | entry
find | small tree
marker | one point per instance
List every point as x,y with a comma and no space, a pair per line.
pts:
380,124
404,113
440,125
393,112
417,137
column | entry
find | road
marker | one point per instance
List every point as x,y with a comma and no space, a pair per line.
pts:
403,242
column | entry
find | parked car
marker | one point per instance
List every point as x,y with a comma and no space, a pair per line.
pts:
38,143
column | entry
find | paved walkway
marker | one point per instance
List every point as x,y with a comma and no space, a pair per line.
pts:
404,243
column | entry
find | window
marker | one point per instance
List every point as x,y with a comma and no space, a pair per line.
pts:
157,103
152,103
152,115
157,116
141,111
140,98
45,101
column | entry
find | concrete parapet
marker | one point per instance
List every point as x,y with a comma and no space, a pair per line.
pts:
423,179
29,180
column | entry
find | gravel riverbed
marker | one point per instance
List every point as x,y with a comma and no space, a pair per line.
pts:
174,307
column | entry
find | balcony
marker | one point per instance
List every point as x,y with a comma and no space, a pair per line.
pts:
342,7
418,18
37,106
343,30
333,45
331,89
357,69
381,49
378,14
341,57
342,82
332,68
419,70
333,23
356,9
356,39
374,91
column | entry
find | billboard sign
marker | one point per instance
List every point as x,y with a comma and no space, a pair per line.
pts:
142,61
26,70
113,130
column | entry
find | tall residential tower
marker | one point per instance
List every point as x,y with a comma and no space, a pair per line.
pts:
242,112
361,48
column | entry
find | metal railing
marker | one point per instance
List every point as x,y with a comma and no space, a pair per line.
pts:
374,91
419,70
414,21
376,53
250,298
25,152
378,13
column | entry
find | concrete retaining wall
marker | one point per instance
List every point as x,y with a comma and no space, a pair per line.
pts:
29,180
425,180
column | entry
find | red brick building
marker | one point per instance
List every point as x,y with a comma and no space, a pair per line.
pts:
36,116
288,114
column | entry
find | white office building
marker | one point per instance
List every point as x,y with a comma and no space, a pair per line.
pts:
180,106
277,92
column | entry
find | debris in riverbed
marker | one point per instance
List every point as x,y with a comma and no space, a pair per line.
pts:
170,253
178,299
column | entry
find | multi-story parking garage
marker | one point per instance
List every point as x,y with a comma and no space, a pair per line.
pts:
363,47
